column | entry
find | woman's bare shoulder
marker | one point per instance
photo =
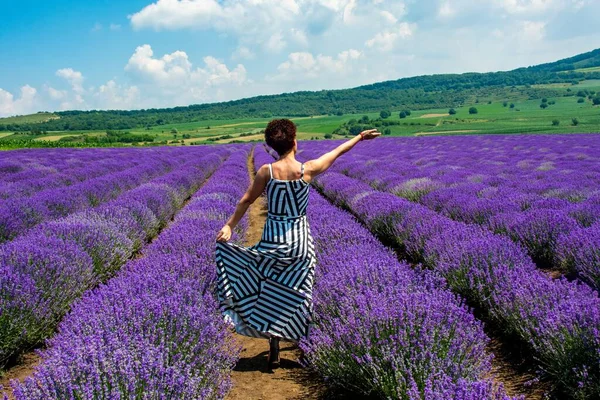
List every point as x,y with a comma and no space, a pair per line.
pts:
310,165
263,170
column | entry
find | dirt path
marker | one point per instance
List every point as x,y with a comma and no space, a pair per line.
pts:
20,371
251,380
434,115
514,373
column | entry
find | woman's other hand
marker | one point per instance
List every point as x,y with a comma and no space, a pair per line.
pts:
224,234
370,134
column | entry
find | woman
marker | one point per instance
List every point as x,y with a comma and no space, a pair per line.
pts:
265,290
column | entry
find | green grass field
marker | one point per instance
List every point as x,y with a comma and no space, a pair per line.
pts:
590,69
525,117
28,119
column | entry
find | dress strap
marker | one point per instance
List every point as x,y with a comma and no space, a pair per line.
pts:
271,171
302,171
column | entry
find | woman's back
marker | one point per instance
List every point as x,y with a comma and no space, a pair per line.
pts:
287,198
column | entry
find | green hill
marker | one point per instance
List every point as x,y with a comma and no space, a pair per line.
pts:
416,93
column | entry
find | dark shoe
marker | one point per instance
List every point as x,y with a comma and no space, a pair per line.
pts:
273,359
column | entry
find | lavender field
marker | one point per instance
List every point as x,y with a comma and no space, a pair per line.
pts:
107,267
498,218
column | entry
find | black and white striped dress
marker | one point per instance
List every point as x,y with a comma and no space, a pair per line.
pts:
266,289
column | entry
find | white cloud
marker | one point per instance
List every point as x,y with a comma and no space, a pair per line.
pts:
97,27
268,24
170,69
446,10
243,53
388,16
537,8
174,76
156,82
533,31
217,73
115,27
275,43
527,6
75,78
113,96
300,37
56,94
387,40
302,65
25,104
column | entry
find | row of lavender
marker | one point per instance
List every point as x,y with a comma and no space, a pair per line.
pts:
106,180
29,165
24,172
381,328
154,330
559,321
44,271
542,191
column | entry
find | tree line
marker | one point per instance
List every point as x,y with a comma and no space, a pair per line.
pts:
422,92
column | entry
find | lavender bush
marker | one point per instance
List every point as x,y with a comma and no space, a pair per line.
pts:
579,252
20,212
154,330
558,320
99,242
532,188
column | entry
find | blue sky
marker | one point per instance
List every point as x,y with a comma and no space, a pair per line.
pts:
135,54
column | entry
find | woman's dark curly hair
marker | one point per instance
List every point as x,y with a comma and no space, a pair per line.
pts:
280,135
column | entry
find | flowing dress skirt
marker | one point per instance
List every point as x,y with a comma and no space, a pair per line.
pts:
266,290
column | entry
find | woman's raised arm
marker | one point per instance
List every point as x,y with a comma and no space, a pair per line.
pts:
321,164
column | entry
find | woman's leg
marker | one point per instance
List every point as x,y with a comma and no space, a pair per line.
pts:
273,359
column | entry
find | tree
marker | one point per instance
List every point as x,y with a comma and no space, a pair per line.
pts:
555,122
544,100
544,105
512,105
385,114
328,136
355,130
387,131
452,111
174,131
596,100
581,100
473,110
364,119
575,121
505,104
402,114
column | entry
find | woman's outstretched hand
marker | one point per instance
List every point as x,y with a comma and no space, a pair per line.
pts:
224,234
370,134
